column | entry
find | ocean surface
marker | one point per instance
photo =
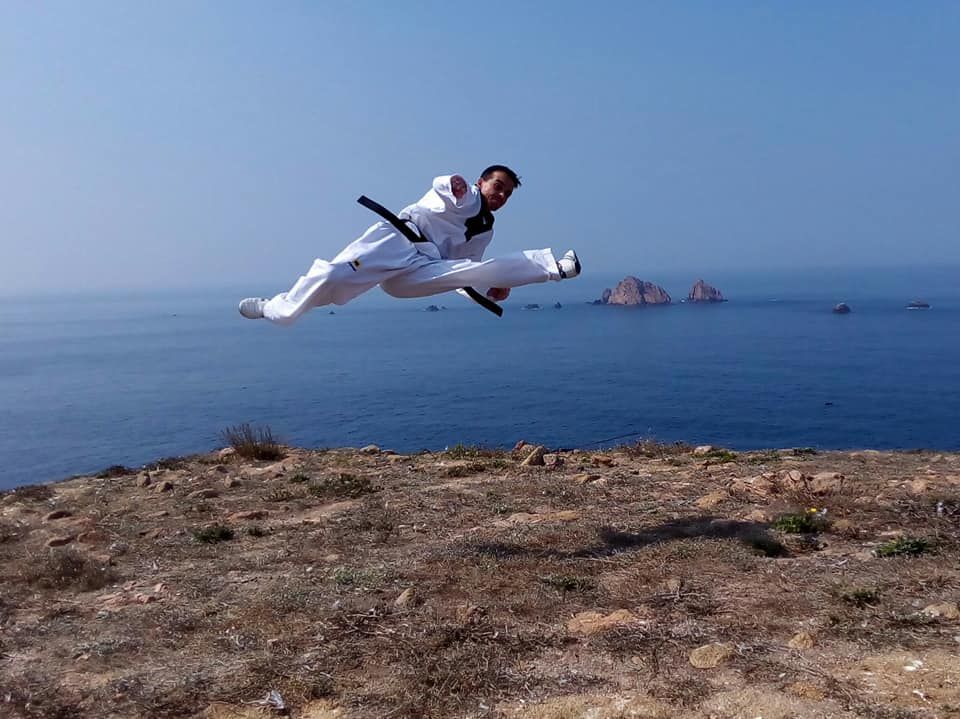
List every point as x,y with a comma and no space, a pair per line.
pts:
91,381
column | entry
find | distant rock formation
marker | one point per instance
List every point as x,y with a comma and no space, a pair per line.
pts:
632,291
531,306
841,309
918,305
432,308
702,292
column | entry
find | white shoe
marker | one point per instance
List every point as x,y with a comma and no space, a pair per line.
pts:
569,265
252,308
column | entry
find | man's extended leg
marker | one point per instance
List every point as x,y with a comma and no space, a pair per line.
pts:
376,256
437,276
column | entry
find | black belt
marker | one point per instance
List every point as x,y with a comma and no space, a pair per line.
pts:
404,229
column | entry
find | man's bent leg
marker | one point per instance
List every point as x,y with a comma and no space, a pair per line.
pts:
437,276
378,255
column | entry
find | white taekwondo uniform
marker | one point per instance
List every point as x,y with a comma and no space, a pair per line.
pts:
458,232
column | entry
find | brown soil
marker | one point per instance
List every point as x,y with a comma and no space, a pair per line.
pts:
645,581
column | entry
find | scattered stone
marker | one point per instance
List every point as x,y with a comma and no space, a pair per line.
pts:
943,610
226,453
144,480
93,536
203,494
220,469
370,449
405,598
552,460
757,515
763,485
702,450
566,515
519,445
806,690
60,541
231,482
57,514
826,482
600,459
164,486
802,640
674,585
711,655
584,478
535,458
919,486
709,501
844,527
248,515
588,623
395,458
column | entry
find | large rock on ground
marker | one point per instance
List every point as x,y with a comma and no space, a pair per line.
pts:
633,291
702,292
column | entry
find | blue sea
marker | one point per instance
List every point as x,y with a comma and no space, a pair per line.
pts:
88,381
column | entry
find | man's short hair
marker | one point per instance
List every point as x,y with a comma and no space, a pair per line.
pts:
485,175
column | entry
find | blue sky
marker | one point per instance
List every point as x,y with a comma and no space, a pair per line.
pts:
211,144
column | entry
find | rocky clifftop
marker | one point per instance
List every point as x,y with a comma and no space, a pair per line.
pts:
634,291
702,292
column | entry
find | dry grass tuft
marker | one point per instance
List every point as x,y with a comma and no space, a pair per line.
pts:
253,443
67,568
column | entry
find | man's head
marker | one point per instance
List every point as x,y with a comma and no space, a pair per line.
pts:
496,184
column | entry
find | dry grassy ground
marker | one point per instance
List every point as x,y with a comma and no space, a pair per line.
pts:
640,582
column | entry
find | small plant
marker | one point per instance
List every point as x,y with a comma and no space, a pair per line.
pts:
568,582
800,522
279,495
256,531
253,443
904,547
862,597
116,470
169,463
719,456
67,567
652,449
213,534
804,451
342,485
464,470
464,451
765,458
299,478
350,577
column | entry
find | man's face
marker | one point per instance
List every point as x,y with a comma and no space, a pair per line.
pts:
496,189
